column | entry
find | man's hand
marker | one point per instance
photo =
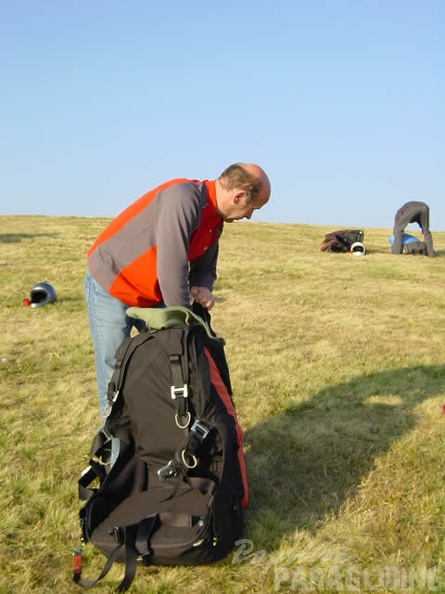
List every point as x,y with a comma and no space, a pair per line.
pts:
203,296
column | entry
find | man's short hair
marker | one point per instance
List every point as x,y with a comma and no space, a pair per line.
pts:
236,176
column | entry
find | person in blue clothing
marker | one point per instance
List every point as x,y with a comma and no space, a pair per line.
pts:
412,212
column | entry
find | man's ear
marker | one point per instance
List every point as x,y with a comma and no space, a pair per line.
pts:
237,195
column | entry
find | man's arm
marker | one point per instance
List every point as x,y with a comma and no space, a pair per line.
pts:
178,215
202,276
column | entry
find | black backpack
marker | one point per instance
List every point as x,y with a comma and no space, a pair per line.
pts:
342,240
177,493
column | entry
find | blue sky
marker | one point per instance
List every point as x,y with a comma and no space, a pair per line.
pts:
342,103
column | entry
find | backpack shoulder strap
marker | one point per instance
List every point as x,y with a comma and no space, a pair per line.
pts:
123,354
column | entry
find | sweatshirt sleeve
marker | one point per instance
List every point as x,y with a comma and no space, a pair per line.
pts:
203,269
178,214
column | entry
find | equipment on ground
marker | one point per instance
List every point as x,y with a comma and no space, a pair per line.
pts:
177,491
341,241
358,249
41,294
411,245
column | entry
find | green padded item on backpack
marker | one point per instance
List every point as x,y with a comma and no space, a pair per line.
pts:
157,318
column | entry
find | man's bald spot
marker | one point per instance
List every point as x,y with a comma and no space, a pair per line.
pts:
259,173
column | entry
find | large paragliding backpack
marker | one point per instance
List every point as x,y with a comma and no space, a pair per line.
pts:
341,240
175,492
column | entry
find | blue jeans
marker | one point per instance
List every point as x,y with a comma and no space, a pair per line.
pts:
110,326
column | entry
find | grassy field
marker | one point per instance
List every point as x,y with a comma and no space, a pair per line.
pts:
338,370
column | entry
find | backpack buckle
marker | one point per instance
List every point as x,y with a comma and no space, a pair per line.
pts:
182,416
179,392
117,533
200,430
167,471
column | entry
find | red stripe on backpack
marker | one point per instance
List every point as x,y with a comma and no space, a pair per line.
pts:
221,388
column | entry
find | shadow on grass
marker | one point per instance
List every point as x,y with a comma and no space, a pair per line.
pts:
305,462
18,237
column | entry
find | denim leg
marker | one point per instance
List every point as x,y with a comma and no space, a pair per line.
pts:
109,326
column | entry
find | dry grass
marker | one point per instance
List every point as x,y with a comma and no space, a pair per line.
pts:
338,369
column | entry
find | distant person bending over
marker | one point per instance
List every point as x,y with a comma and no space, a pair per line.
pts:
161,251
413,212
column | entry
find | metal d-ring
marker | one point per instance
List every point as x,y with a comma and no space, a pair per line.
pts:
186,462
188,416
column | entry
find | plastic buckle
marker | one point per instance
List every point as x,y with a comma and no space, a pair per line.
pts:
115,396
200,430
112,392
117,535
179,392
147,557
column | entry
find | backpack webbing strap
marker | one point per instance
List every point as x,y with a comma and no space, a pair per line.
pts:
179,387
98,467
185,456
108,565
85,480
143,537
187,452
131,555
123,353
136,539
